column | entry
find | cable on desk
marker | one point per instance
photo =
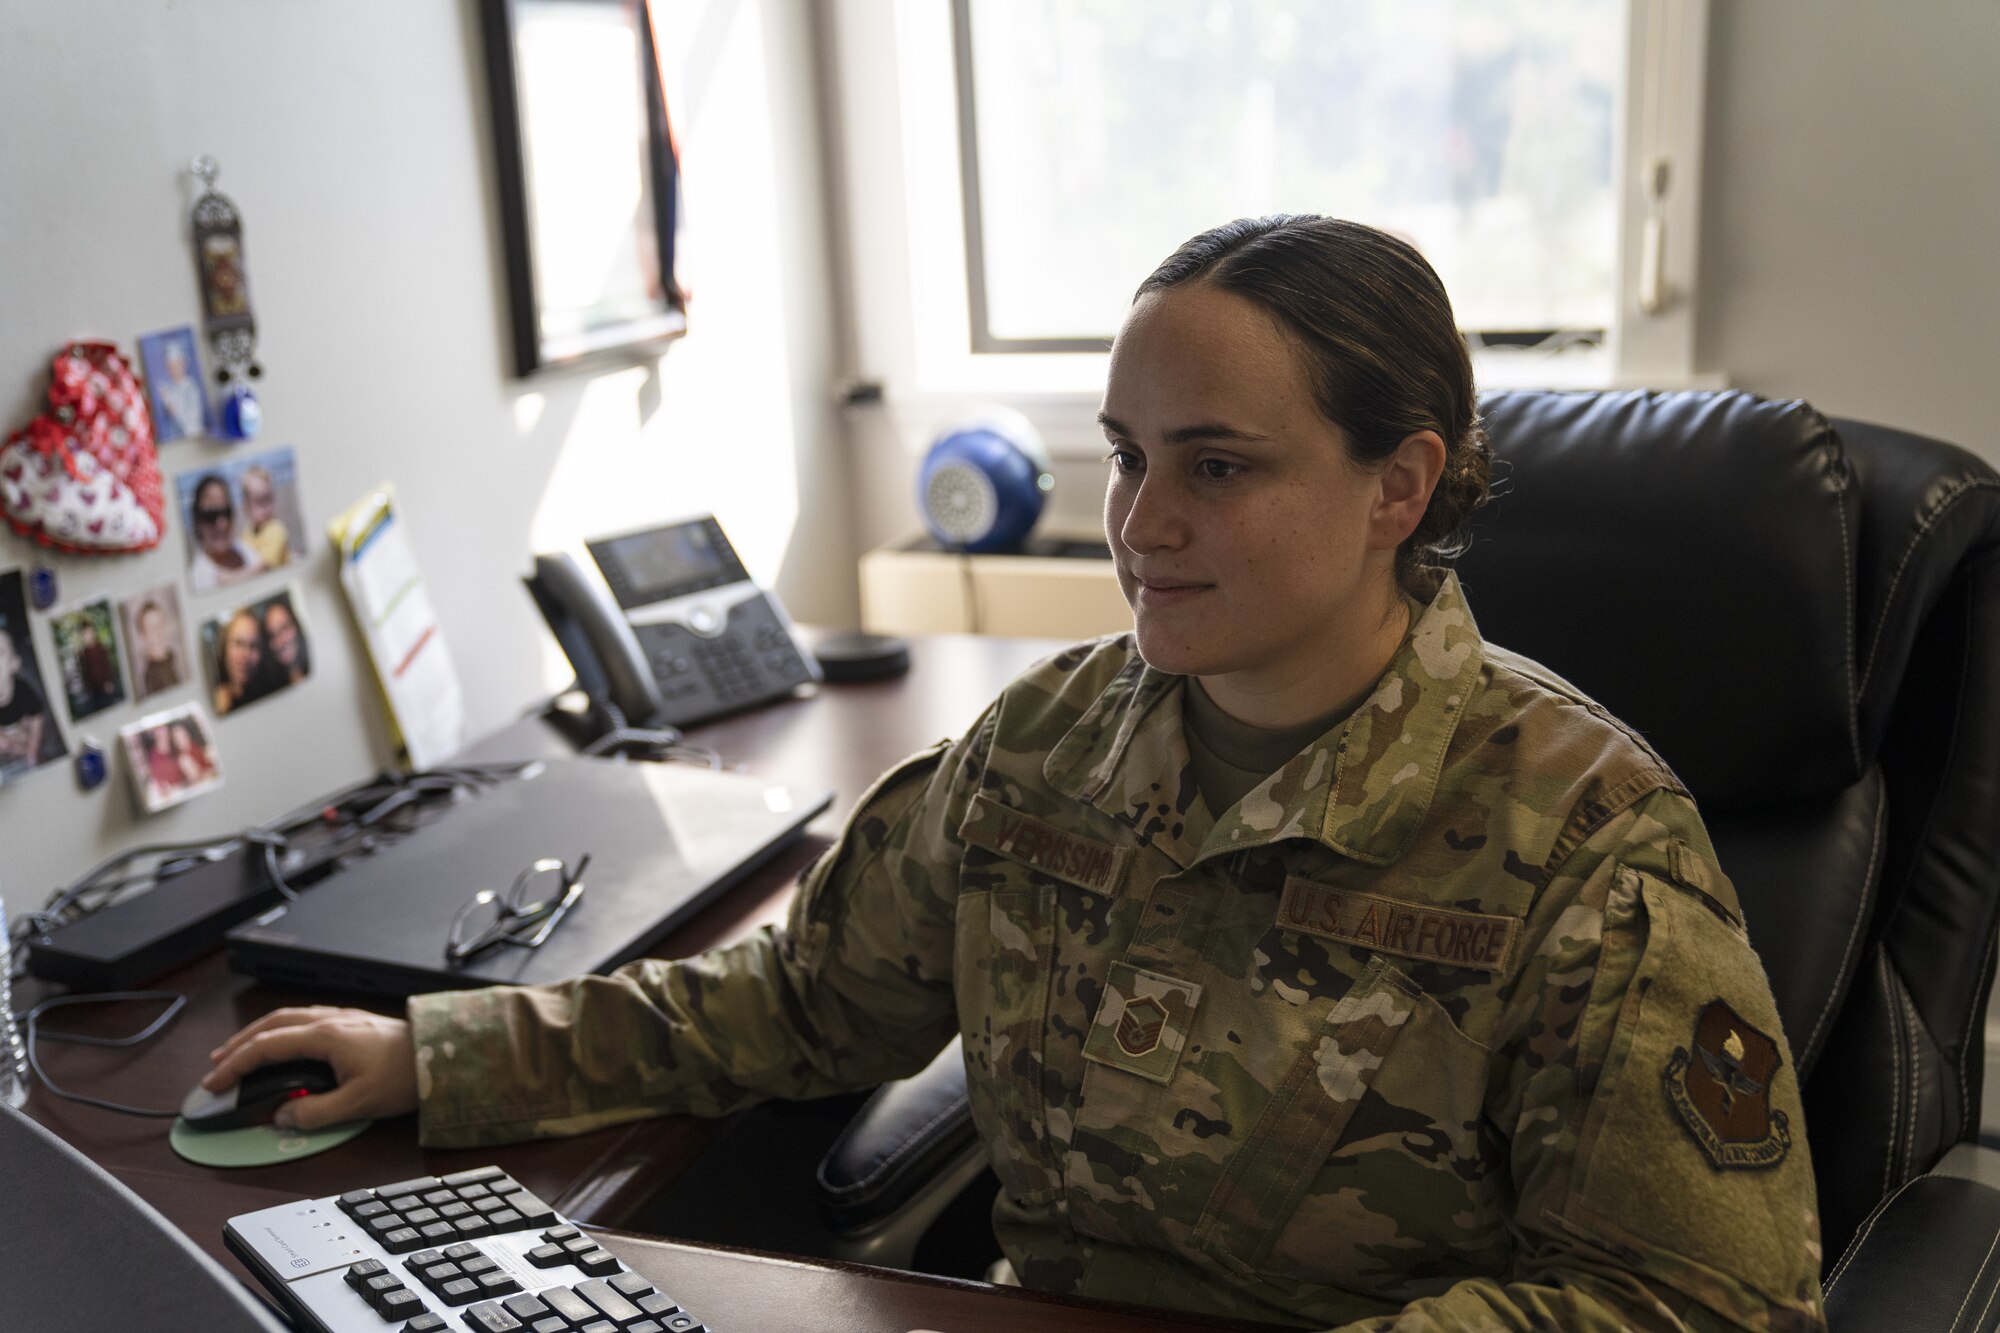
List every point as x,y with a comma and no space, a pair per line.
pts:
176,1002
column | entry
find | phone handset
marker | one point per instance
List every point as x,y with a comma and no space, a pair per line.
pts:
594,634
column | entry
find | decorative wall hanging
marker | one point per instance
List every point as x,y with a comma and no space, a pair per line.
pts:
83,476
225,302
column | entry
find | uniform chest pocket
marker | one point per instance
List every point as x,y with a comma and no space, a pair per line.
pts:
1273,1215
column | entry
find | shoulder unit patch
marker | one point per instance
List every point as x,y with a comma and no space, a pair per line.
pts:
1721,1091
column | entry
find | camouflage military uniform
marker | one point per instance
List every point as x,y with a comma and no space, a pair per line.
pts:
1449,1024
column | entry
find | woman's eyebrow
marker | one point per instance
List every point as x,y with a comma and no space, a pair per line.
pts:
1200,431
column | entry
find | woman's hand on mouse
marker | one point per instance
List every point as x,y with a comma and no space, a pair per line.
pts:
373,1057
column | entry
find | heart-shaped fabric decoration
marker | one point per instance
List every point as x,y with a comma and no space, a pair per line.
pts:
84,476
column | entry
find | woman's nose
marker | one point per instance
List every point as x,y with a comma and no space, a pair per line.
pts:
1154,520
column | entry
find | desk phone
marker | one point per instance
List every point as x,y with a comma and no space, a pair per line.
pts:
672,630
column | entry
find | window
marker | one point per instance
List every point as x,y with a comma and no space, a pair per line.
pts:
1542,153
1093,131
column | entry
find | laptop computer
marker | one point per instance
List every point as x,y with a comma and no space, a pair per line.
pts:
663,841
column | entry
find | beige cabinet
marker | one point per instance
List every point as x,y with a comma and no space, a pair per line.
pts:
1049,591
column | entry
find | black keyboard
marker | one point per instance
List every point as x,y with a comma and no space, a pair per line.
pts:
473,1251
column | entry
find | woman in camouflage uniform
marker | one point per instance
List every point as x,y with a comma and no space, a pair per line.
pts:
1315,960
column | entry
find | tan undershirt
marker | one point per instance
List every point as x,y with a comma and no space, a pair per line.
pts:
1231,757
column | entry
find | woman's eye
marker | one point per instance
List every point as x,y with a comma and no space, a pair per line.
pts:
1124,460
1218,469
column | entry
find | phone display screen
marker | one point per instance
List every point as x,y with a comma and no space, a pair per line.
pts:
647,567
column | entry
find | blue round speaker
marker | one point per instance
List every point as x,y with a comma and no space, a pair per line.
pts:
984,481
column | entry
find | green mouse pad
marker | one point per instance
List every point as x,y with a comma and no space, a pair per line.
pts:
257,1145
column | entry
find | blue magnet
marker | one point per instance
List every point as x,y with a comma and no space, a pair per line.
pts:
242,417
91,770
42,587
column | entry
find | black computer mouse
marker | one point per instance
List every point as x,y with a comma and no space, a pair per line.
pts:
260,1092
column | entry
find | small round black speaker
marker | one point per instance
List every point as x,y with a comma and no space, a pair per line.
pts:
847,658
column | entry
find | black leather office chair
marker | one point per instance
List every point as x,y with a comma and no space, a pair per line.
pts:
1803,616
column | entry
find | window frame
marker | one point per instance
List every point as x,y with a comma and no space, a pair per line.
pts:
905,231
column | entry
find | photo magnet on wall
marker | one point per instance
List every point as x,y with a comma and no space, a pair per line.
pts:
29,737
255,651
171,757
87,656
154,641
243,519
173,383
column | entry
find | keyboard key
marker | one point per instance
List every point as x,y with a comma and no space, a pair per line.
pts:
462,1252
578,1244
472,1225
630,1285
361,1212
505,1219
438,1231
684,1323
555,1323
380,1285
655,1303
416,1217
503,1184
497,1284
443,1273
478,1264
471,1192
557,1235
454,1209
599,1326
436,1197
646,1326
425,1323
537,1213
489,1204
402,1303
361,1272
526,1307
354,1198
608,1302
548,1256
598,1263
408,1203
460,1291
384,1224
477,1175
424,1259
569,1305
402,1240
491,1318
417,1186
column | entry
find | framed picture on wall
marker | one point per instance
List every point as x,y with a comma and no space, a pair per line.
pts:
589,179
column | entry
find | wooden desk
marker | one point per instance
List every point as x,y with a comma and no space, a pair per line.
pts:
839,736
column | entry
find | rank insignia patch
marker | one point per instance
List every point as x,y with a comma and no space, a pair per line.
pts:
1140,1025
1142,1022
1721,1091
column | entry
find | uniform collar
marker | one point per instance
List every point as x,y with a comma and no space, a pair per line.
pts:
1362,789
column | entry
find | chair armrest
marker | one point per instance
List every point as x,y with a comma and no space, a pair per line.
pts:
1927,1258
907,1153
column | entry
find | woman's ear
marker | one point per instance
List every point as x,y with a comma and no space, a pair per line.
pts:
1406,482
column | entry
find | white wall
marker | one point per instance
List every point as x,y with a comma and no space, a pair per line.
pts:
1852,204
354,138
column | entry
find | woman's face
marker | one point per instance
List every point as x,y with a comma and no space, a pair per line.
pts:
282,633
242,648
1245,539
214,518
260,501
